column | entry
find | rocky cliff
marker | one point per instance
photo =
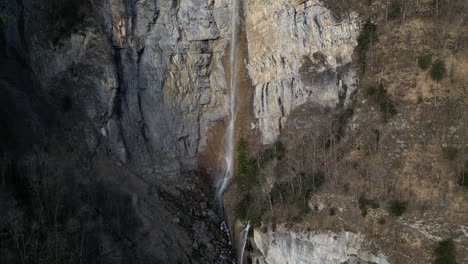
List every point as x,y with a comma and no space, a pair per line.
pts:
353,115
287,246
105,107
298,53
364,102
148,73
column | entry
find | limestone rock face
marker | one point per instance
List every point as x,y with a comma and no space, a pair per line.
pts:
117,96
150,77
287,246
298,53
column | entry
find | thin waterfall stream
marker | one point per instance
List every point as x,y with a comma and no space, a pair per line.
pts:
245,236
227,155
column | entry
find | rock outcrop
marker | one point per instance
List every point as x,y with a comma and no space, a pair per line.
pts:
287,246
148,74
105,106
298,52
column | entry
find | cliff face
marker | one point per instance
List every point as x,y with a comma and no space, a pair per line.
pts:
298,53
148,74
105,106
287,246
382,158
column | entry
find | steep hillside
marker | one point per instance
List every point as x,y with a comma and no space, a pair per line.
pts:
381,154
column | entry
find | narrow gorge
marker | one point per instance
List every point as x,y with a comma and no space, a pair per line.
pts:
233,131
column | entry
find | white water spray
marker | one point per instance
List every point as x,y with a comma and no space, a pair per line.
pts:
245,236
227,168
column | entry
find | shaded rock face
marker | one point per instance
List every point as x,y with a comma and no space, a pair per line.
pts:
148,74
104,107
287,246
298,53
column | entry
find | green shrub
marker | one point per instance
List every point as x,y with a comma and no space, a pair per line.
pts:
438,70
424,61
277,194
362,203
311,182
374,205
242,208
332,211
445,252
371,90
297,192
386,106
420,99
318,179
349,112
256,219
249,209
242,155
463,180
366,36
301,204
394,10
451,153
365,203
280,150
247,169
381,221
397,208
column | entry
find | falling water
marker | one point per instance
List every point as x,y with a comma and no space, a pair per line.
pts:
245,235
227,157
228,151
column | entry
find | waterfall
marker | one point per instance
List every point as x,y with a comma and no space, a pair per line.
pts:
229,138
227,155
245,236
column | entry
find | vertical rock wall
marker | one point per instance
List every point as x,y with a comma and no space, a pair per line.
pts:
148,73
287,246
298,52
105,104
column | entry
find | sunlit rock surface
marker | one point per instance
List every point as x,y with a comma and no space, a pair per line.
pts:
287,246
298,53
